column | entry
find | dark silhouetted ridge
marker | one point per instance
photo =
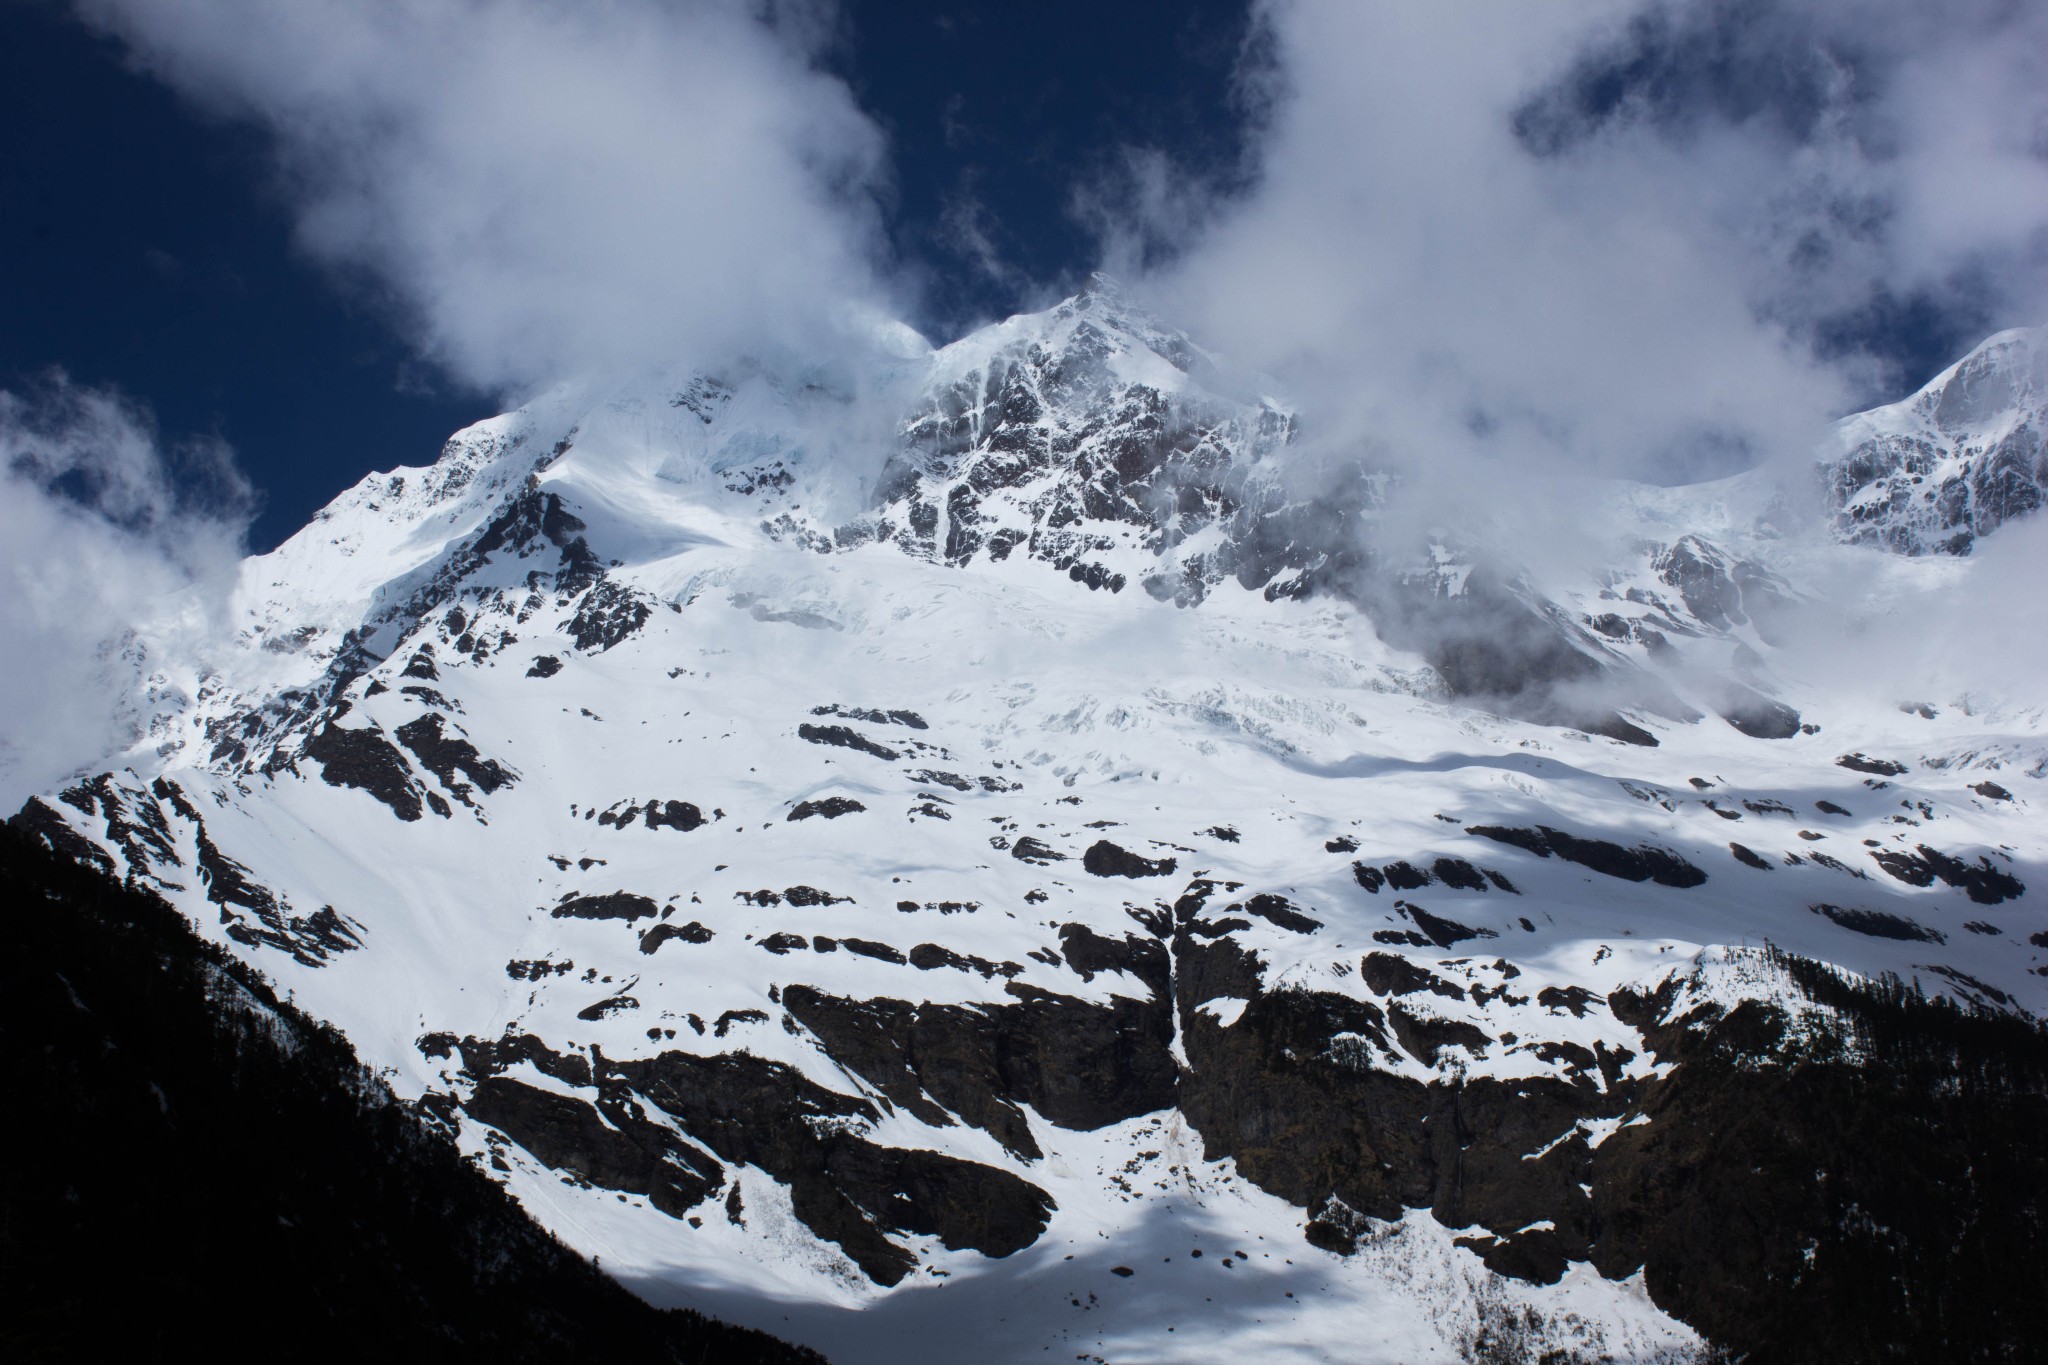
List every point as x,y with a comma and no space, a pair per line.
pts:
198,1170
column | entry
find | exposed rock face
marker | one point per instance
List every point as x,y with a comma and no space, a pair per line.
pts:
1631,864
1720,590
676,815
845,1189
1093,442
1074,446
1079,1066
1297,1091
609,613
623,905
830,807
693,932
445,756
364,759
1878,924
1106,859
845,737
1984,882
139,825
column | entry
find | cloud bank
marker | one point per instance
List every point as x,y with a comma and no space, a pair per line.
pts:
539,189
106,529
1662,240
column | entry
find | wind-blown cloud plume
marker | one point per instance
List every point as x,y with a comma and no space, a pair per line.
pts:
532,190
1500,249
106,529
541,189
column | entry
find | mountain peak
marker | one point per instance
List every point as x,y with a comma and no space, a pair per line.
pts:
1936,471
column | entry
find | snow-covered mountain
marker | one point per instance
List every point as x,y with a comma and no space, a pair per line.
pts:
1098,893
1954,462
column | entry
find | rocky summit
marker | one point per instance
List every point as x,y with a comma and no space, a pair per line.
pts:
1079,885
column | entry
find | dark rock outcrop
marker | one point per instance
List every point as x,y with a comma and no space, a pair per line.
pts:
1405,876
1391,974
1983,881
867,947
677,815
1142,957
693,932
1750,857
910,719
1457,873
1758,716
751,1111
1277,910
1864,763
928,957
1437,929
1639,864
1077,1064
609,613
365,760
1030,850
830,807
1878,924
1105,859
845,737
625,905
445,756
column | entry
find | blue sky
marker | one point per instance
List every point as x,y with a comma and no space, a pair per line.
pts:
144,250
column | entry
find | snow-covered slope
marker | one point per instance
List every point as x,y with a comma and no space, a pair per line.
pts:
1089,899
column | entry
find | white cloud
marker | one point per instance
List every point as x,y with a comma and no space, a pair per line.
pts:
1502,248
105,529
1881,629
1645,297
534,189
541,189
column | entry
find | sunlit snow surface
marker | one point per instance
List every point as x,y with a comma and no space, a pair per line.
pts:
1051,712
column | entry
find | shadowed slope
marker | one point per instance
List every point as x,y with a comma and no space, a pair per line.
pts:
196,1161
